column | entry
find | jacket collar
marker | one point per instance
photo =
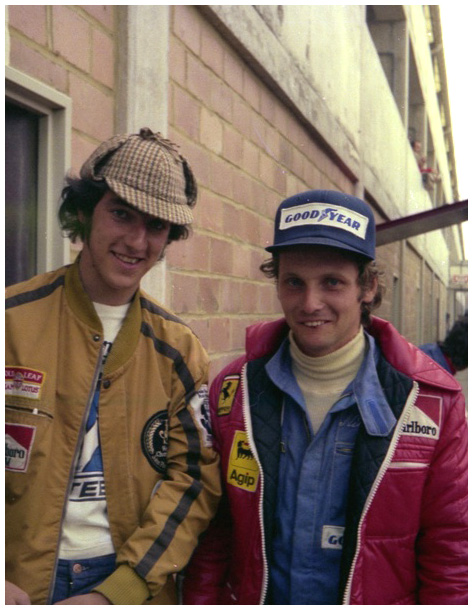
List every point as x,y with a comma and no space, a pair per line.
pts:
409,359
365,389
83,308
264,338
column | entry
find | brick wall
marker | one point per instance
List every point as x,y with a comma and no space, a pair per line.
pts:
71,49
247,149
428,310
248,152
411,296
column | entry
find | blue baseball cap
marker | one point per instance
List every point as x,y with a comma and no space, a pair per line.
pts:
325,218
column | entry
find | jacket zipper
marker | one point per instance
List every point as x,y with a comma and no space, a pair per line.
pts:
249,432
379,477
85,417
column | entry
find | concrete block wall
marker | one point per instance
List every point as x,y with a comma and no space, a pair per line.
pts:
73,50
247,149
248,153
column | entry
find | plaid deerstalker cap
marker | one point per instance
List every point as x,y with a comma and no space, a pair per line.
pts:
147,172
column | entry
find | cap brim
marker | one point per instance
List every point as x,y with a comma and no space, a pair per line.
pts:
317,241
172,212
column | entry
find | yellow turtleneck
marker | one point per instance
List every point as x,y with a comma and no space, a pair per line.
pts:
323,379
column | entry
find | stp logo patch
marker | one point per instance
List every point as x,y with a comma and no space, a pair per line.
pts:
243,470
18,444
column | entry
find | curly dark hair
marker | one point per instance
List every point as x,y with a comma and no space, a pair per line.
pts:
368,273
80,196
455,344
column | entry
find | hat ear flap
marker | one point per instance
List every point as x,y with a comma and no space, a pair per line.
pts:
191,184
91,168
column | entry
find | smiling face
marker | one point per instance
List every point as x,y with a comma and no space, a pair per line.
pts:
122,246
321,298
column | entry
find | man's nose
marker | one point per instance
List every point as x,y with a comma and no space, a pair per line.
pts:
312,300
137,235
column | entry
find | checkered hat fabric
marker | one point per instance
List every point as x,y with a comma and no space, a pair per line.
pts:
147,172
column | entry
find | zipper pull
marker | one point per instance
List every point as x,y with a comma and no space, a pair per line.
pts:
282,446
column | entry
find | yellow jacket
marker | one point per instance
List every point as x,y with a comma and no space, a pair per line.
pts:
160,494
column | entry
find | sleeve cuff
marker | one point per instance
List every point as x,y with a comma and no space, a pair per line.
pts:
124,587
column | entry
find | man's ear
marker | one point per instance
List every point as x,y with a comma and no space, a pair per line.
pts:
370,293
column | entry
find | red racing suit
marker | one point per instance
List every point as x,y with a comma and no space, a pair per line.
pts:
406,530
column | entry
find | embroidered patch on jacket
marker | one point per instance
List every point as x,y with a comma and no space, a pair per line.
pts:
227,394
425,421
243,470
154,440
24,382
200,405
332,537
18,444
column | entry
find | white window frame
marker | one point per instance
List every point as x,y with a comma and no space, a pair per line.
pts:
54,110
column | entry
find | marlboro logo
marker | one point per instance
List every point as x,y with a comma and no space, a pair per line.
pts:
18,444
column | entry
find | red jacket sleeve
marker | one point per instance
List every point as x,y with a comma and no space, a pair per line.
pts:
442,543
205,576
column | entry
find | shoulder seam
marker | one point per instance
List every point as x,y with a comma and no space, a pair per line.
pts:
34,295
160,311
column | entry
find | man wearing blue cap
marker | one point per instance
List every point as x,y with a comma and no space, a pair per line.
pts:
343,447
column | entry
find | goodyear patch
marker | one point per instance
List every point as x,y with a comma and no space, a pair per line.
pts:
243,470
332,537
24,382
18,444
325,214
227,394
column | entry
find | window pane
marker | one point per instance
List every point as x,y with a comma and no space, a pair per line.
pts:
21,179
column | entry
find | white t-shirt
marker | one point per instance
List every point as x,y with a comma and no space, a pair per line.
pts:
86,529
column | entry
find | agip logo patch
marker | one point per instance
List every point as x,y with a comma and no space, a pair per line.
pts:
243,470
227,394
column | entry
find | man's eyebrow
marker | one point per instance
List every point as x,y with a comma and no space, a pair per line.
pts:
118,200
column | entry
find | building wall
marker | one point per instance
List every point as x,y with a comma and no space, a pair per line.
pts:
71,49
248,152
264,102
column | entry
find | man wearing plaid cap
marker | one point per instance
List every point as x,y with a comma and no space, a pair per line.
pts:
343,447
110,472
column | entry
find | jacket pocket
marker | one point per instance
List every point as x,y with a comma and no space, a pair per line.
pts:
408,465
399,496
26,441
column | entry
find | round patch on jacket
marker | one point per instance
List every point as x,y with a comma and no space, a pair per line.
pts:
154,440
